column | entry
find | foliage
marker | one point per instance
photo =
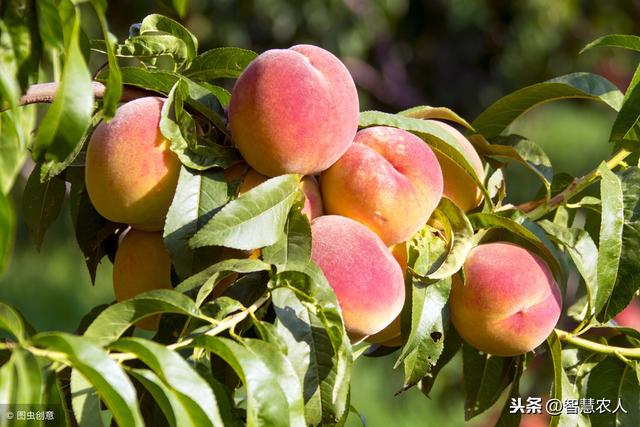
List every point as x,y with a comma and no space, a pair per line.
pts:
273,350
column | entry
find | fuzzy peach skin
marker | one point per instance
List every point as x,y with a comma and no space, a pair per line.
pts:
131,175
391,335
388,180
365,277
293,111
509,302
250,178
630,316
142,264
458,185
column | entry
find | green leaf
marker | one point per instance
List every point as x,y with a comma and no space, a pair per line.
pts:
253,220
611,229
70,113
157,23
584,253
175,412
115,320
85,401
13,322
628,278
198,196
42,202
577,365
485,378
15,128
192,390
267,403
490,220
517,148
458,232
495,119
615,40
452,343
7,230
509,418
615,381
222,62
293,250
104,374
441,113
180,6
21,380
562,387
626,127
113,90
160,81
438,138
319,363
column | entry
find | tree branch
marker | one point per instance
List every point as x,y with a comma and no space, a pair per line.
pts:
565,336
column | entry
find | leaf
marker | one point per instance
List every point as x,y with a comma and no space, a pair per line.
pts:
222,62
115,320
452,343
7,231
562,387
104,374
610,240
253,220
160,81
495,119
615,40
626,127
70,113
167,399
509,418
42,202
582,250
615,381
198,196
515,147
21,380
267,403
485,377
459,233
438,138
15,128
113,89
180,6
192,390
628,278
318,362
157,23
293,250
246,265
426,112
13,322
490,220
85,401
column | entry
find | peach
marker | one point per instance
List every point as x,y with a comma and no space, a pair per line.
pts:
388,180
630,316
250,178
458,185
509,302
142,264
293,111
131,174
365,277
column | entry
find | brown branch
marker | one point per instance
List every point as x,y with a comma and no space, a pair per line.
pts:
46,92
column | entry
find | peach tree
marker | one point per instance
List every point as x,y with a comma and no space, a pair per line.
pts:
262,287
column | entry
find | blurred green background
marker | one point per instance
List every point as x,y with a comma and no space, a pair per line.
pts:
461,54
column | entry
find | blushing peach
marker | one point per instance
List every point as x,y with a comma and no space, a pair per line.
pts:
630,316
365,277
142,264
293,111
131,174
388,180
509,302
458,185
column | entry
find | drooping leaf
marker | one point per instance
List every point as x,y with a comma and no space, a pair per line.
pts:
626,127
198,196
253,220
441,113
615,40
15,128
160,81
562,387
452,343
7,230
85,401
70,113
293,250
104,374
223,62
192,390
12,321
508,417
175,412
180,6
495,119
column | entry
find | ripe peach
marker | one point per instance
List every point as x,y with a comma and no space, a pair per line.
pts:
509,302
293,111
458,185
250,178
630,316
142,264
364,275
131,174
388,180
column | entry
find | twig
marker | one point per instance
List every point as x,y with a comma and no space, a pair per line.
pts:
619,352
